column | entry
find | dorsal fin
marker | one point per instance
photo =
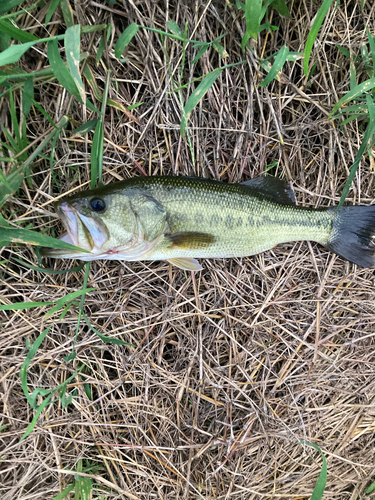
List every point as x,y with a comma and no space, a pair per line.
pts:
274,188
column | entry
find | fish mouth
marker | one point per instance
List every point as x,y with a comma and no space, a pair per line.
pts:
88,233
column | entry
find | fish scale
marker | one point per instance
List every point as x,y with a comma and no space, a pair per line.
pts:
180,219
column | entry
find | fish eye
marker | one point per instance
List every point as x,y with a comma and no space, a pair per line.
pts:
97,205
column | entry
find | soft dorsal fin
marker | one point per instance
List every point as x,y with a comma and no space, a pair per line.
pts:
190,240
274,188
186,263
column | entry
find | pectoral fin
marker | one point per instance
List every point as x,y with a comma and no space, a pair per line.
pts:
190,240
186,263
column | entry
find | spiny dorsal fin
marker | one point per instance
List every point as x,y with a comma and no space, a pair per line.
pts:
274,188
186,263
190,240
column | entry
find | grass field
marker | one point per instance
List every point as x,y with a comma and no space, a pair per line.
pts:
253,379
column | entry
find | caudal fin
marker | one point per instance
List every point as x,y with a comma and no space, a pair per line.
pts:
351,236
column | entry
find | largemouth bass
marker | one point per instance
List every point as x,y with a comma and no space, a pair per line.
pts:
180,219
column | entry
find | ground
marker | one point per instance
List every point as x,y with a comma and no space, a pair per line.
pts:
230,371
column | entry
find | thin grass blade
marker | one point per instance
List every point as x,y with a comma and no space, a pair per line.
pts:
51,10
357,91
27,96
367,143
322,12
322,479
372,48
28,237
197,95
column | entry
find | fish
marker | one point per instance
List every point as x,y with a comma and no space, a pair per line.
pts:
182,219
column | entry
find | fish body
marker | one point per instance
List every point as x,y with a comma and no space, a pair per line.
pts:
180,219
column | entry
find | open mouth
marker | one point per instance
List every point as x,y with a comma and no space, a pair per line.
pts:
88,233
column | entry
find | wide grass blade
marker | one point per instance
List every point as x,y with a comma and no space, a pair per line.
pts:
280,59
252,18
125,39
20,35
14,53
6,5
322,12
60,70
73,52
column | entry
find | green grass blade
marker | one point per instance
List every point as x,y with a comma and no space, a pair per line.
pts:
104,338
372,49
28,237
67,12
197,95
60,70
96,153
9,29
281,7
85,127
48,271
6,5
358,90
280,59
322,479
27,96
252,17
51,10
174,28
200,53
21,306
31,426
67,298
125,39
73,53
366,144
64,493
14,53
322,12
370,489
25,365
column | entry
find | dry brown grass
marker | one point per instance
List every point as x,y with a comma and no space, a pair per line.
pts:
236,365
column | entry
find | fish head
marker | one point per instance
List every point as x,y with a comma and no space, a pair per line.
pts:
99,222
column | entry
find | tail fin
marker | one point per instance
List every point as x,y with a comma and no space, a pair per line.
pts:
351,236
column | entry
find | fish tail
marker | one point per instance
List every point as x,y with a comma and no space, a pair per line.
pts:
351,235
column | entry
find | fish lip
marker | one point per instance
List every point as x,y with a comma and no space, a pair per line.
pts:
68,217
95,230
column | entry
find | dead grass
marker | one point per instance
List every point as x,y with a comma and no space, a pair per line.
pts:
234,366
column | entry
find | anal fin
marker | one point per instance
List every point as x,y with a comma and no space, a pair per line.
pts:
186,263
